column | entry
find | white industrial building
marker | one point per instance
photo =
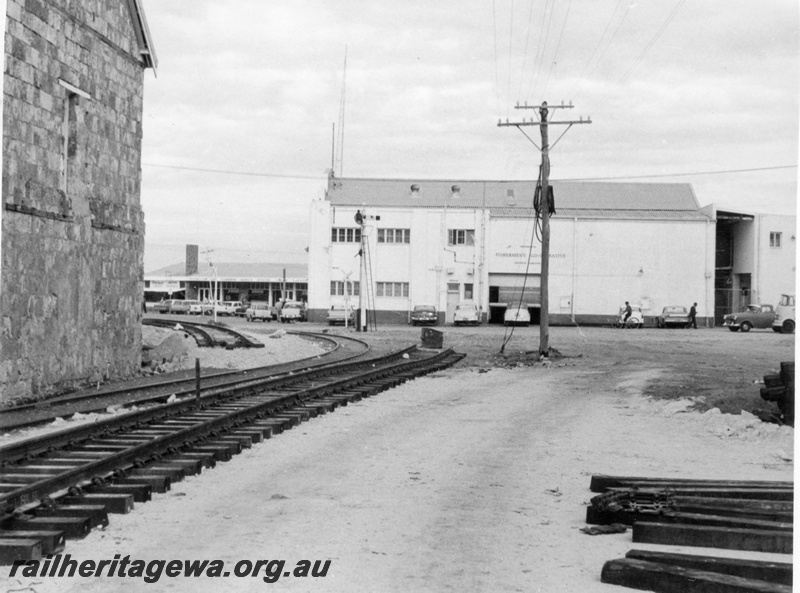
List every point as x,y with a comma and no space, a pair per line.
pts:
439,242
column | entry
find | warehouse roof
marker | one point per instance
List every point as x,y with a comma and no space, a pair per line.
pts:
514,198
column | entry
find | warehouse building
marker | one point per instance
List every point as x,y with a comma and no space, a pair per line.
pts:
72,224
441,242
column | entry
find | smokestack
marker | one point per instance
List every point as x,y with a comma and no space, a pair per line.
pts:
192,256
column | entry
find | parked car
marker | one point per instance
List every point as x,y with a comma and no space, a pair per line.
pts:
517,316
466,313
195,307
291,311
340,314
424,315
164,307
755,316
259,312
223,308
784,315
241,310
673,316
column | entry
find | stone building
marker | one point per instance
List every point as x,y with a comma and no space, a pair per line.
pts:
72,225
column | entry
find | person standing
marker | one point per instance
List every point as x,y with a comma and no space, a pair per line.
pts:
693,316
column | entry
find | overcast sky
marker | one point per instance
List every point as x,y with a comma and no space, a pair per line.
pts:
692,92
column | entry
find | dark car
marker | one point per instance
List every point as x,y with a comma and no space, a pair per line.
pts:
424,315
674,316
755,316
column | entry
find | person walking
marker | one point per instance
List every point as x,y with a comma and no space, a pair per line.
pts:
628,313
693,316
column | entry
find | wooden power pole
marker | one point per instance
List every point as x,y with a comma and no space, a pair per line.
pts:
545,206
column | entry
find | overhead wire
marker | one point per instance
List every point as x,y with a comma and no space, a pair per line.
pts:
653,40
525,53
535,233
582,75
496,60
558,46
510,53
549,20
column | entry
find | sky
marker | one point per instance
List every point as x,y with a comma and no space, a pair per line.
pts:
251,104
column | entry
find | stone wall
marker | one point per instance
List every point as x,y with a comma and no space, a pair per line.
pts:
73,229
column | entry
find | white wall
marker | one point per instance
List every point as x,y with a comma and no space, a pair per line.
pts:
595,265
776,266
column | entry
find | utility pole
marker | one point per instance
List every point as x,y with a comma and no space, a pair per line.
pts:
546,208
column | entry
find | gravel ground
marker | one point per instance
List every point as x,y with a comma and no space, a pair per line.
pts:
472,479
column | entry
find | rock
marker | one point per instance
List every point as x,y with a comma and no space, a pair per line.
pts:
171,349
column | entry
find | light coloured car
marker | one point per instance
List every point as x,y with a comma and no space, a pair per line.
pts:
291,311
195,307
340,314
424,315
258,312
517,316
466,314
673,316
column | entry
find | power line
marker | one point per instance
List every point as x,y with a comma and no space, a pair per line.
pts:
720,172
558,46
228,172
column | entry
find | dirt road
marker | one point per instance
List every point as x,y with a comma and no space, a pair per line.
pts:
462,481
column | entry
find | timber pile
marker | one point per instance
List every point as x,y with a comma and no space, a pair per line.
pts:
745,515
780,389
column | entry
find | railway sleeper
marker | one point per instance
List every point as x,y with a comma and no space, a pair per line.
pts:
52,542
751,540
71,527
255,435
13,550
207,460
277,425
119,504
221,451
140,492
157,483
656,576
175,474
96,513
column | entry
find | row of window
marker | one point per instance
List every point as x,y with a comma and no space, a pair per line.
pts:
382,289
353,235
351,288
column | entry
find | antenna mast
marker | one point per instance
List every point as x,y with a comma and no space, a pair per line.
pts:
341,117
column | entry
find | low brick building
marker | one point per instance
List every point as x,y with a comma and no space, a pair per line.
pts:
72,224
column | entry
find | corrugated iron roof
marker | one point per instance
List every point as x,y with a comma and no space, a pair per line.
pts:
228,271
606,197
602,214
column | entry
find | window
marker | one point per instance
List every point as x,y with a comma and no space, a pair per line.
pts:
775,239
391,289
460,236
337,288
345,235
394,235
468,292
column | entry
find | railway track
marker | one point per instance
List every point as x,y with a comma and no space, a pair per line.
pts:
61,485
207,335
341,348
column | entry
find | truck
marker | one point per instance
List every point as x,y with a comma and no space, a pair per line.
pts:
784,315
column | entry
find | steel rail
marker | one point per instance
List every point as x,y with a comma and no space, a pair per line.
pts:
37,445
114,462
292,366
